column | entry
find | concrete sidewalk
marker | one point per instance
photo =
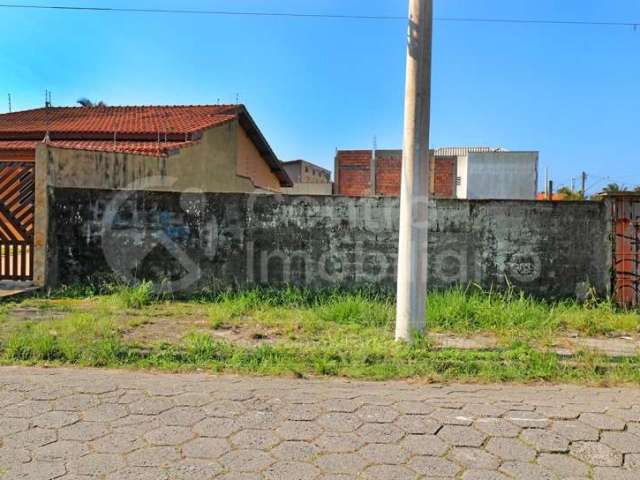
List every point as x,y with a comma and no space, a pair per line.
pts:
83,424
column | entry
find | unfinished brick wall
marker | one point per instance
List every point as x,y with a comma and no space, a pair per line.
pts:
443,177
388,173
353,173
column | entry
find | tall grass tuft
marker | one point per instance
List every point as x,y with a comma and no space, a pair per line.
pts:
356,309
78,338
137,296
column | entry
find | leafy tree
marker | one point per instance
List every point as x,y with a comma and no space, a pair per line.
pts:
85,102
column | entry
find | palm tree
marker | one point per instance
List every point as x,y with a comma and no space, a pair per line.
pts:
614,188
85,102
569,194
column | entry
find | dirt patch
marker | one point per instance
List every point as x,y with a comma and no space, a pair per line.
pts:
471,342
250,336
621,346
35,314
154,330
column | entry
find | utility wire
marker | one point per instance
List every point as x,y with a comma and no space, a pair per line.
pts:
314,15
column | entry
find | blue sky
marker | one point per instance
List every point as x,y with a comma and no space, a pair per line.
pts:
571,92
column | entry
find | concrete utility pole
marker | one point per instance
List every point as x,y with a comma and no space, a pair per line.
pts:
583,186
412,250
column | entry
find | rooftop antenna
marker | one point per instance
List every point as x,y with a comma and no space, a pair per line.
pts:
47,105
9,103
237,99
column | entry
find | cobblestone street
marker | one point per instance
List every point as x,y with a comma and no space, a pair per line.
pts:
82,424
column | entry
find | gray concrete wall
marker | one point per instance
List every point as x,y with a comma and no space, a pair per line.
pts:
196,241
502,175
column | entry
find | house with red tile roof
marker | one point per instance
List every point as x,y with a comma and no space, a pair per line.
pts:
214,148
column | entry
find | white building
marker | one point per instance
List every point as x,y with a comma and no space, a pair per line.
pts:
486,173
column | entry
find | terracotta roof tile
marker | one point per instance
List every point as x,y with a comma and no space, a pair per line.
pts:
179,120
145,130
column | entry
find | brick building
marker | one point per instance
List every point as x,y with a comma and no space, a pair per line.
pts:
455,172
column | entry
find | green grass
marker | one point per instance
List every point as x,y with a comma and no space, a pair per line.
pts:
517,315
303,332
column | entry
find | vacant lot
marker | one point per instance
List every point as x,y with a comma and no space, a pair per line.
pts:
473,335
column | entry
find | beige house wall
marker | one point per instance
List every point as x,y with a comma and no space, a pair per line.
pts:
251,165
224,160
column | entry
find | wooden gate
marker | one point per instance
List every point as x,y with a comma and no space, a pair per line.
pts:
17,192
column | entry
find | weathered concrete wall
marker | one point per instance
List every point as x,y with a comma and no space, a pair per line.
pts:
195,241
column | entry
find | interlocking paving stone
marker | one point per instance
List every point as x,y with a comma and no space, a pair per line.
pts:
424,445
528,419
27,409
246,460
84,432
377,414
563,465
36,471
340,442
259,439
596,454
32,438
417,424
527,471
9,426
380,433
302,412
341,463
105,413
182,416
474,458
291,471
96,464
602,421
169,436
62,450
632,461
384,453
389,472
55,420
340,422
292,430
112,425
483,475
545,441
118,443
608,473
153,457
575,431
461,436
510,449
623,442
497,427
193,469
434,467
295,451
210,448
216,427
